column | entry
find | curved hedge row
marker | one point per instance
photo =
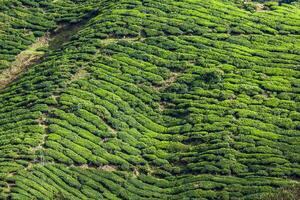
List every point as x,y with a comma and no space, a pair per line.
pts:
156,100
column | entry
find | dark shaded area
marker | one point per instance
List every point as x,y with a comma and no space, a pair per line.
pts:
67,31
286,1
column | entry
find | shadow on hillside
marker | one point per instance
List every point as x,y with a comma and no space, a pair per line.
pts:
35,53
65,32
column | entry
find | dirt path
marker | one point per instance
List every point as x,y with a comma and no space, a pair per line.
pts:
23,61
51,41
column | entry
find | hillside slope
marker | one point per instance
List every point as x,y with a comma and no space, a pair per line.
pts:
152,99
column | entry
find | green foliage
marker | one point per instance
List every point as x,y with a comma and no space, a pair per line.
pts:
150,100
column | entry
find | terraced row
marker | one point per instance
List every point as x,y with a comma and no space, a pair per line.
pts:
117,113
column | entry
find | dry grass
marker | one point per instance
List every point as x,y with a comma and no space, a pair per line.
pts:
108,168
23,61
169,81
259,7
287,193
108,41
79,75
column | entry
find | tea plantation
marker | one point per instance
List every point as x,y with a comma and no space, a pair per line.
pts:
149,99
